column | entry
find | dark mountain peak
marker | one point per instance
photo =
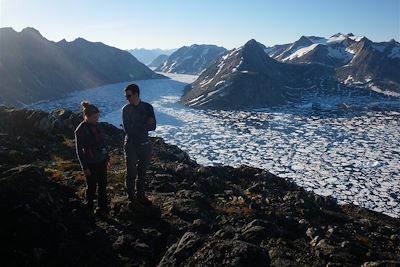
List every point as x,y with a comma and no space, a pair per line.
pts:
303,41
254,51
347,41
365,39
252,44
7,29
304,38
63,42
31,30
365,42
80,40
350,34
200,46
336,35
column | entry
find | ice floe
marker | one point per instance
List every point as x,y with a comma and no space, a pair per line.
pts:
354,157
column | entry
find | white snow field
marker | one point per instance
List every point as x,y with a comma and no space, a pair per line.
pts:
352,157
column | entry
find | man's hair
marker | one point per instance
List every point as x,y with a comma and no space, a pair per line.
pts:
133,88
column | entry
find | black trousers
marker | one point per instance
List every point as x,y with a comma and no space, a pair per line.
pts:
97,178
137,158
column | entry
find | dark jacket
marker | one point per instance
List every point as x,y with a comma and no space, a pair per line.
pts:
90,144
135,122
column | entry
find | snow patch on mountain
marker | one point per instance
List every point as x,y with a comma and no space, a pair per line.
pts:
377,89
301,52
340,53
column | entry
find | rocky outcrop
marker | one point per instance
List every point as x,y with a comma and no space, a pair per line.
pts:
202,216
44,223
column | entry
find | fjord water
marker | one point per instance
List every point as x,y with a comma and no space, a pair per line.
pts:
352,155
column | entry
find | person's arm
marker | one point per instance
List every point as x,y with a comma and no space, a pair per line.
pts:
151,119
103,141
126,123
79,137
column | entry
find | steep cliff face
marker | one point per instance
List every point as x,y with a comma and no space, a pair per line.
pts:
201,215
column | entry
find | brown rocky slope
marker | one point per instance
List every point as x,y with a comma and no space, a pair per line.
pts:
202,216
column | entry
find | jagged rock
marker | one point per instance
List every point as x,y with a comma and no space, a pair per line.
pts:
43,226
257,230
143,249
189,251
189,205
381,264
311,232
180,251
324,248
229,253
123,242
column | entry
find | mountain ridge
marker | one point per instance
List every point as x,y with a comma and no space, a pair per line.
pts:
33,68
316,66
191,59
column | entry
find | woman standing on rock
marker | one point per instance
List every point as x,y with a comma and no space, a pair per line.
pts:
93,156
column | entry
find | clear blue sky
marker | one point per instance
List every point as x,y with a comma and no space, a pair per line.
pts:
174,23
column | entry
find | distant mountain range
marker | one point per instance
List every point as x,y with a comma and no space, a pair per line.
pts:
191,59
146,56
33,68
158,61
258,76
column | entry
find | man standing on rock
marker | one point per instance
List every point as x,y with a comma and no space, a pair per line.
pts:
138,119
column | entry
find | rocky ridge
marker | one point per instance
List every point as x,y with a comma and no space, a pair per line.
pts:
202,216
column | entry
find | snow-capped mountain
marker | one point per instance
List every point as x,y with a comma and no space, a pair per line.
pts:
256,76
191,59
158,61
333,51
373,65
248,77
146,56
33,68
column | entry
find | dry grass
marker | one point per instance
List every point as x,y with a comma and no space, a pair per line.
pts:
64,165
54,174
232,210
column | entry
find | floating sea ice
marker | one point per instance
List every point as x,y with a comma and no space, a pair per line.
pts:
323,191
331,180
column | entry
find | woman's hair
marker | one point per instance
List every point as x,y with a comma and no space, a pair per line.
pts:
88,109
